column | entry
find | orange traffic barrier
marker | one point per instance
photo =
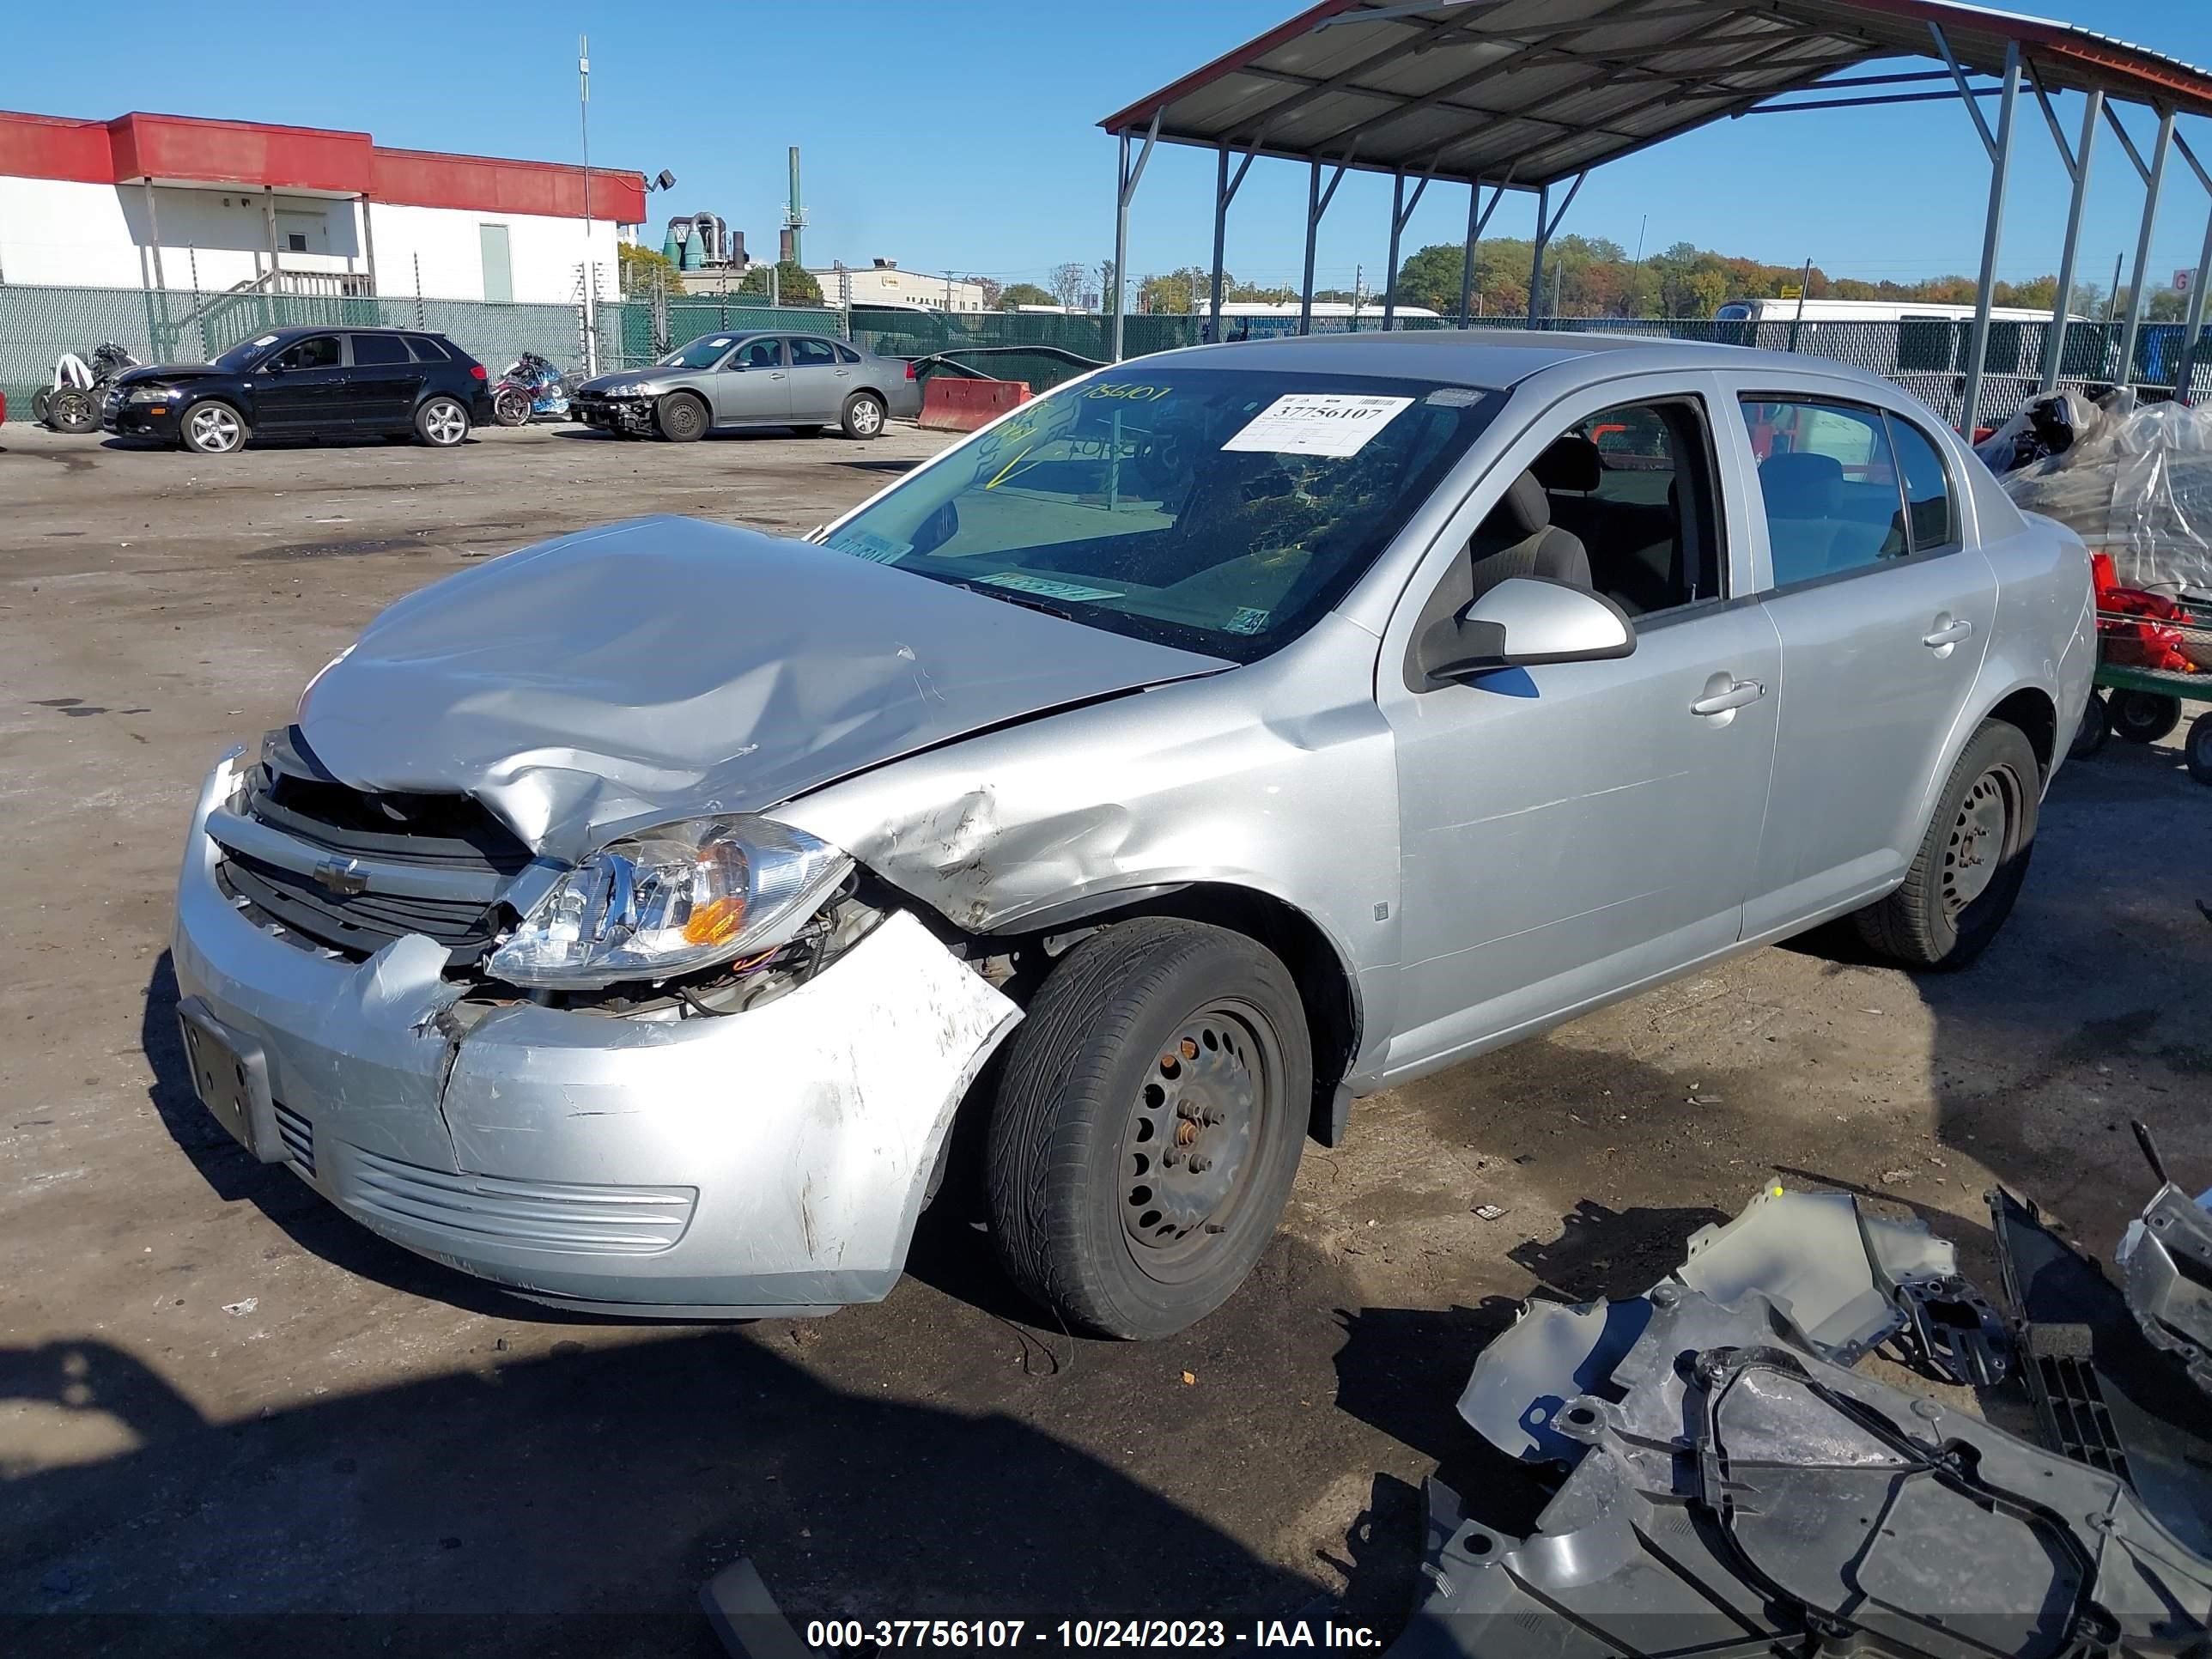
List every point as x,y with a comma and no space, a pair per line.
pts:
950,403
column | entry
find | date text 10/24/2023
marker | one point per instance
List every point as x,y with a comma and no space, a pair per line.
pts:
1085,1633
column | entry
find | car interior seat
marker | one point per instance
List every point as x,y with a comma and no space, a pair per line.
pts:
1802,493
1517,538
1634,547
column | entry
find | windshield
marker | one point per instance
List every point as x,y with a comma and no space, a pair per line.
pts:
1221,510
241,356
702,353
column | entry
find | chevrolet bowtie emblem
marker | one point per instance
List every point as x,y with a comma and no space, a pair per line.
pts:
341,876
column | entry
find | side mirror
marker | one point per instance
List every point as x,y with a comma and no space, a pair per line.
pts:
272,367
1525,622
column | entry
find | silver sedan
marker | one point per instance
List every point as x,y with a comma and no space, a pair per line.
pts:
747,378
1221,738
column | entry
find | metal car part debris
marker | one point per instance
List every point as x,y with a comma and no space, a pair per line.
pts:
2165,1269
1737,1491
744,1616
1845,1281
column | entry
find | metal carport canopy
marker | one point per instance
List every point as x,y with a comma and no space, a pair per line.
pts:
1523,94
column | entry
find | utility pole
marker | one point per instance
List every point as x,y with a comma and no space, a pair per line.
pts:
1558,270
1804,282
591,269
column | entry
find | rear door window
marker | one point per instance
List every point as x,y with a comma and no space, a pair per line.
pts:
812,354
1828,481
1928,511
378,349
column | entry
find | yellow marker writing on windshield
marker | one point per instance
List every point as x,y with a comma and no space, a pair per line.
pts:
999,477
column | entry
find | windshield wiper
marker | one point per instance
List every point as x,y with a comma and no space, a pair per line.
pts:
1011,597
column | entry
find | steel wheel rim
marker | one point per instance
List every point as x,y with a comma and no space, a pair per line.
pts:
867,417
1979,839
1191,1149
685,417
444,423
215,430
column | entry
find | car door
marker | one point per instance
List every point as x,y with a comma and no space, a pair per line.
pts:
1884,611
751,386
303,388
1573,830
386,380
819,380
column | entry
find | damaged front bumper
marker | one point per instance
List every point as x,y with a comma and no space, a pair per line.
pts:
631,415
771,1162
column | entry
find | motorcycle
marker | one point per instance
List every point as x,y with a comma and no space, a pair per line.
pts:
71,404
531,388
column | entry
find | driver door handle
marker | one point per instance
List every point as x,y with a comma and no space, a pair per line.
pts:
1950,634
1739,693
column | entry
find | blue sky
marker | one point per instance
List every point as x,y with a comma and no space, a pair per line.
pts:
962,133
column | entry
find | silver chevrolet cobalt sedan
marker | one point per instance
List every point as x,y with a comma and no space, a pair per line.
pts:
1225,736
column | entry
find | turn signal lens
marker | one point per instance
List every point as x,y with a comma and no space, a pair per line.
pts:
717,923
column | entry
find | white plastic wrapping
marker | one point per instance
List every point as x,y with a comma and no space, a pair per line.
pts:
2136,482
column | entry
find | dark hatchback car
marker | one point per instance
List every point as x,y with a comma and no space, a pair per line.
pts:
306,383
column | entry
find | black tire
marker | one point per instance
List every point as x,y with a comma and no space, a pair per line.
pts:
864,417
806,431
1155,1045
1970,863
73,411
442,423
2144,716
682,417
510,407
2096,727
41,401
212,427
2198,750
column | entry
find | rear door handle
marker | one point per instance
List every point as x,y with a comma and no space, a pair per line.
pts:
1738,693
1951,633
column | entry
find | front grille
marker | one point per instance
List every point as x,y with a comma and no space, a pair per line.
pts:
298,1135
539,1215
385,836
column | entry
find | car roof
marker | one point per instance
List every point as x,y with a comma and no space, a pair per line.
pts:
301,330
1501,357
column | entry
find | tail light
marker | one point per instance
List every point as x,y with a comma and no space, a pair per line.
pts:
477,372
909,368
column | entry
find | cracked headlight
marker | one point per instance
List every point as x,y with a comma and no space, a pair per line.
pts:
626,389
671,900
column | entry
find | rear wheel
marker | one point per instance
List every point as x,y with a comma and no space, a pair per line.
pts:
510,407
2095,728
1147,1126
42,400
2198,752
1970,863
2144,716
441,423
863,416
681,417
213,427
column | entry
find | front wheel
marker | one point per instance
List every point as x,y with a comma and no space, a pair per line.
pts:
2095,728
681,417
73,411
42,401
441,423
863,416
510,407
1147,1126
1962,882
213,428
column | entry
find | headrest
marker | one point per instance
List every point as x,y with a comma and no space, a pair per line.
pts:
1571,463
1521,511
1798,486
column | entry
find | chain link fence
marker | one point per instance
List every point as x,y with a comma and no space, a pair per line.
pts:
1925,355
38,324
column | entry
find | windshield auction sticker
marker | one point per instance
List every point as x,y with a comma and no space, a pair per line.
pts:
1318,424
1047,587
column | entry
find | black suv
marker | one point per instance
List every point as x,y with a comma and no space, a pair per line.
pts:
306,383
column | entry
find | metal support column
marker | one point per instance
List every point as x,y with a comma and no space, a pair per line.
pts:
269,227
1999,146
2184,374
1125,187
1225,193
2076,158
1317,201
1477,219
2136,292
369,245
1402,215
1547,226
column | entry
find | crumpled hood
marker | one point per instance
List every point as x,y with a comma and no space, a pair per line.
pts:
634,377
669,667
149,372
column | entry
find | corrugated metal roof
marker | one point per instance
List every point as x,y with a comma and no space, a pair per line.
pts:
1530,92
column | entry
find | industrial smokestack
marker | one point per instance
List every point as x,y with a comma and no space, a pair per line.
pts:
796,215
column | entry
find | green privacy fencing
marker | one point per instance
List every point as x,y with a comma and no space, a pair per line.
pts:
1927,356
38,324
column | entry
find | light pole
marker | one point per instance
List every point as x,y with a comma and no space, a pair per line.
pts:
590,271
